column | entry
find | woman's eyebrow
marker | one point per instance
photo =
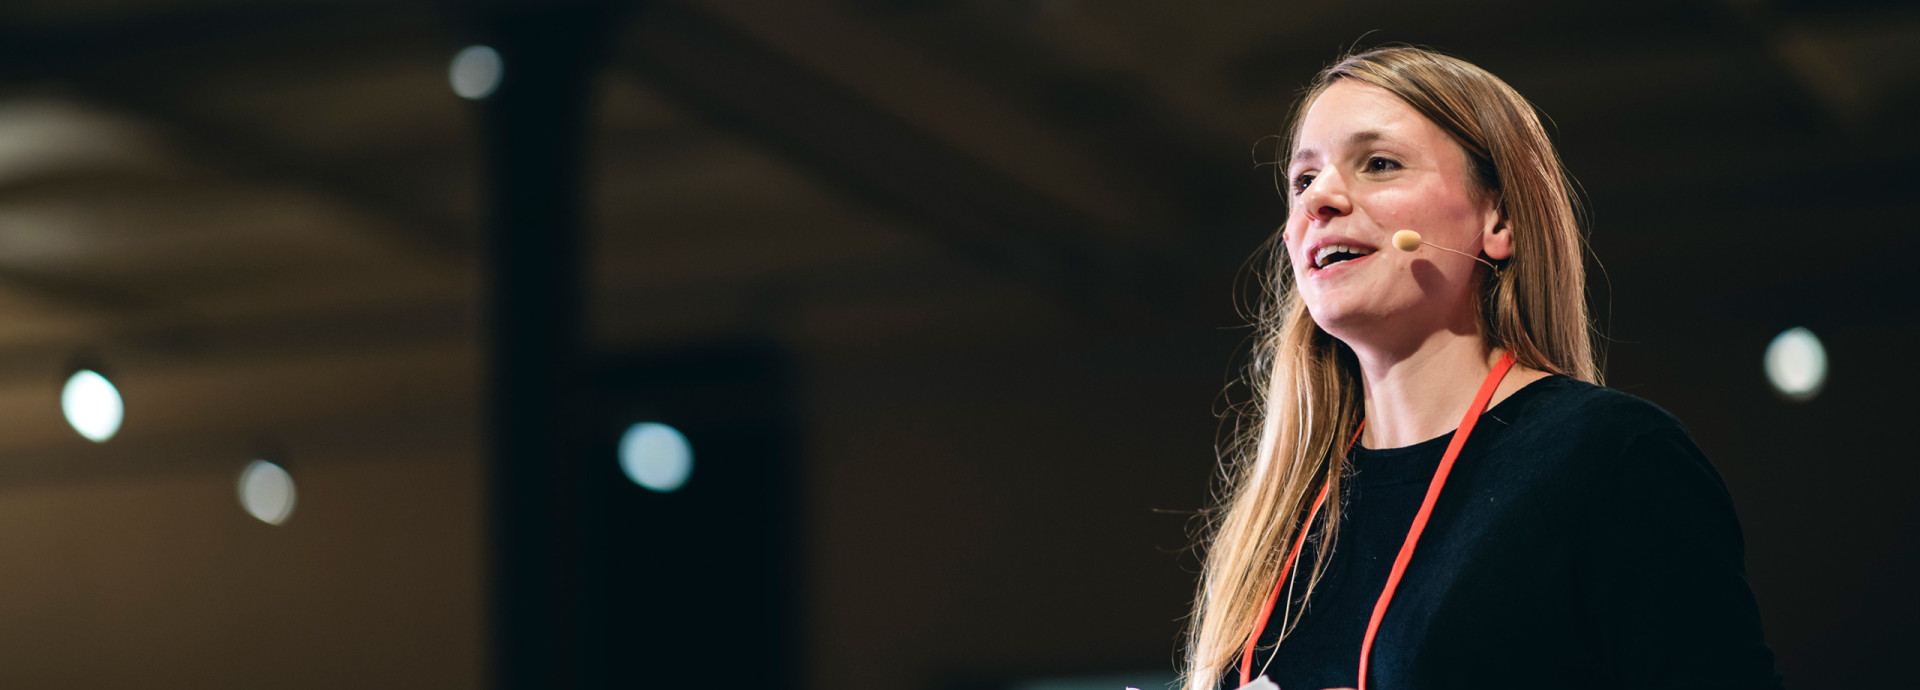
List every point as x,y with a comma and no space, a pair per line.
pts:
1367,137
1360,138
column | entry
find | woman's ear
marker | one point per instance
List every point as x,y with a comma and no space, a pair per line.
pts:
1496,240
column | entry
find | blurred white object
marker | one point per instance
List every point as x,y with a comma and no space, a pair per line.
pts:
1260,683
475,72
92,405
656,456
1796,363
267,492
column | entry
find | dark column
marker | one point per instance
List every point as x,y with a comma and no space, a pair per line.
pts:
545,536
706,579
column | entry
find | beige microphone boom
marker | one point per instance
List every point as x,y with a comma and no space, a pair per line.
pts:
1408,241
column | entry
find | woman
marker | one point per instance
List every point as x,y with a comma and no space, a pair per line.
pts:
1437,493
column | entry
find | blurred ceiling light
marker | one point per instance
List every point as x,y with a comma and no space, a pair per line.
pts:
656,456
475,72
266,491
1796,364
92,405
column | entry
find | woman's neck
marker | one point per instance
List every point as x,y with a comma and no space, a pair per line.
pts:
1413,397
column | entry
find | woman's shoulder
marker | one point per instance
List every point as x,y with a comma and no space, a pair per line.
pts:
1590,437
1585,431
1565,405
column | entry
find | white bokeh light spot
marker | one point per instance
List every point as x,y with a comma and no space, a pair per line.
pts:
475,72
92,405
656,456
1796,364
266,491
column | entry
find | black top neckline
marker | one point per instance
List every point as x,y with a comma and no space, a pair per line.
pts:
1436,444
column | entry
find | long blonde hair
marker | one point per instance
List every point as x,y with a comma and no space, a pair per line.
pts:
1306,383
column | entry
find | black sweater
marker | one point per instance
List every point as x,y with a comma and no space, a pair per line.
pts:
1581,541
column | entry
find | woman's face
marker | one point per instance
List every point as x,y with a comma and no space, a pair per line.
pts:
1366,165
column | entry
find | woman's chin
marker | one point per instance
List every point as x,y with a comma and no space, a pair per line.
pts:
1360,324
1337,318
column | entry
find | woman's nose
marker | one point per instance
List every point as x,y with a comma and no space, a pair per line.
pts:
1325,198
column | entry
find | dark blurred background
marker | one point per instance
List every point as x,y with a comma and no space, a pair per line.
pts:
942,294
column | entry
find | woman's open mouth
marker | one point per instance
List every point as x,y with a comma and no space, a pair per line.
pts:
1336,255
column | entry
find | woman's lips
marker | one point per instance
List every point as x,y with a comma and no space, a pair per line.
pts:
1336,268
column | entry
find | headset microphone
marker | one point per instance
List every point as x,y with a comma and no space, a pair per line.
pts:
1408,241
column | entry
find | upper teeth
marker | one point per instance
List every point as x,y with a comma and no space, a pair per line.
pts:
1320,257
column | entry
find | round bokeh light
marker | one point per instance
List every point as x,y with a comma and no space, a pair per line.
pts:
475,72
266,491
1796,364
656,456
92,405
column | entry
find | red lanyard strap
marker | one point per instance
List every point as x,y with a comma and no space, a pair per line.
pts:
1286,567
1459,441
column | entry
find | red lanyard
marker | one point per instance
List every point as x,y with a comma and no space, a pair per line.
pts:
1406,549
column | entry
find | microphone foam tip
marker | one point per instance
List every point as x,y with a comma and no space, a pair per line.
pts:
1406,240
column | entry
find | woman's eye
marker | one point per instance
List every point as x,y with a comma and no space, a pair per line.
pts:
1378,164
1301,181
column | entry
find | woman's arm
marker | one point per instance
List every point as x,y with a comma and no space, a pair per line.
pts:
1664,577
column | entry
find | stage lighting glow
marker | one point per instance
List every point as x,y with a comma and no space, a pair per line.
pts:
475,72
1796,364
92,405
656,456
266,491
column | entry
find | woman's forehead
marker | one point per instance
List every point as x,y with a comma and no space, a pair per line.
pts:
1349,113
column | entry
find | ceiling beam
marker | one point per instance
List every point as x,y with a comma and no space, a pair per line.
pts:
733,82
125,62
